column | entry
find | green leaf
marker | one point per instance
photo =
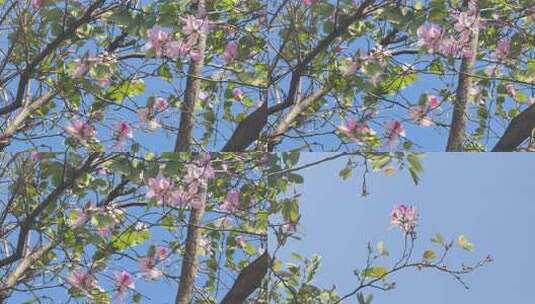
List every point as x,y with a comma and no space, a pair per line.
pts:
126,89
438,239
129,239
429,255
375,272
464,243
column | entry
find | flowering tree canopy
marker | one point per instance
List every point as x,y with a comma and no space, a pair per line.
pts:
139,133
238,75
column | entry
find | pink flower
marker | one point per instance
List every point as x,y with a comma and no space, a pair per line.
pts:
433,102
355,129
122,133
123,282
429,36
203,96
237,93
205,246
193,25
80,130
37,4
35,155
157,40
80,69
82,280
418,115
176,49
405,217
161,104
308,2
503,48
231,202
231,52
394,130
147,268
162,252
449,47
160,189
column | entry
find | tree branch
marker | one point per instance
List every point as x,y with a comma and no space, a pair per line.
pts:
188,273
27,223
193,86
249,129
458,121
249,279
517,131
28,71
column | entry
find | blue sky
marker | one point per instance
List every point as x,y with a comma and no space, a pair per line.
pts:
488,197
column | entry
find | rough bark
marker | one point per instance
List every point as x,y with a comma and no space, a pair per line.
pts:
248,280
517,132
189,269
191,95
458,121
299,108
188,272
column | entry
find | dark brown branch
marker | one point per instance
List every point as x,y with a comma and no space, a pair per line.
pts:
249,279
517,132
28,71
249,129
26,224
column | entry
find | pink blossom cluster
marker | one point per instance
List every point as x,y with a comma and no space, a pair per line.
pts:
433,38
393,131
83,281
80,130
111,212
231,52
37,4
147,265
104,59
163,44
405,217
123,131
166,193
148,115
124,281
231,201
418,113
355,130
85,131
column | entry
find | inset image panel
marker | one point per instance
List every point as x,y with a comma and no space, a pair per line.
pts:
384,228
153,228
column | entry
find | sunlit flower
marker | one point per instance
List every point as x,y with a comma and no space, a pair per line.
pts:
82,280
80,130
393,131
429,36
231,52
123,282
355,129
231,202
405,217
